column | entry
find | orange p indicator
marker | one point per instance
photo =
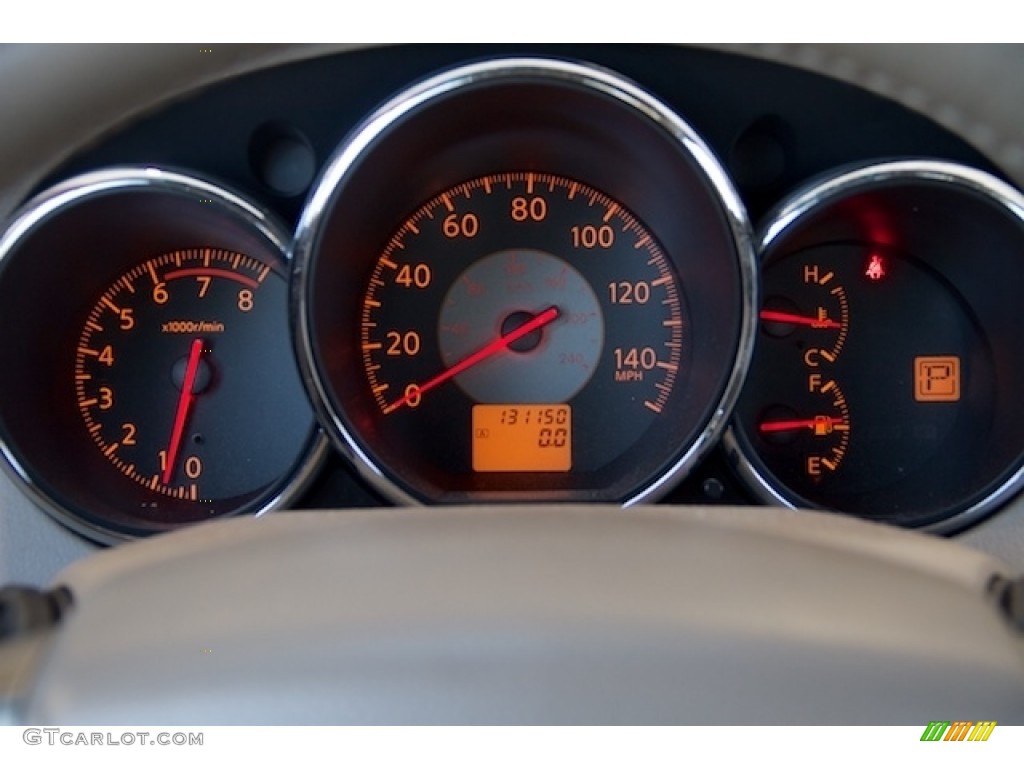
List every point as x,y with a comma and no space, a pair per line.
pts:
937,379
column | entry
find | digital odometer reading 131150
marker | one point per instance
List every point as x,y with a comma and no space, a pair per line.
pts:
522,438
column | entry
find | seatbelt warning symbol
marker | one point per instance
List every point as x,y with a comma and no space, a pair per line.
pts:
937,379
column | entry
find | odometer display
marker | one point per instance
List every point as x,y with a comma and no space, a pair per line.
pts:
522,438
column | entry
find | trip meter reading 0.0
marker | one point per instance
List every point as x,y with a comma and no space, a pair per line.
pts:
522,438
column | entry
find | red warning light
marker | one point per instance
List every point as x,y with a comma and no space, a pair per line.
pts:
876,268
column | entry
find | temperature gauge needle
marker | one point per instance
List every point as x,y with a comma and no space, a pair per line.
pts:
498,345
786,317
184,407
820,425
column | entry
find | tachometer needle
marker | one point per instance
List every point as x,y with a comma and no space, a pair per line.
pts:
786,317
185,401
498,345
819,425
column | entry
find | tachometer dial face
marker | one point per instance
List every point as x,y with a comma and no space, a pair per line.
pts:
175,368
164,390
554,300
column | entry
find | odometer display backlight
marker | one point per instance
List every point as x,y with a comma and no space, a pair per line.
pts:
522,438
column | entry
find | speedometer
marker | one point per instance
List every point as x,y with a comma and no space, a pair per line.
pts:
581,315
554,299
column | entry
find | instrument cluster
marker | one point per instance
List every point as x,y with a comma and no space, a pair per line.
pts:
523,277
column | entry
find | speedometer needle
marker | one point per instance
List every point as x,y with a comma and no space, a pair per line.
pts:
786,317
185,401
498,345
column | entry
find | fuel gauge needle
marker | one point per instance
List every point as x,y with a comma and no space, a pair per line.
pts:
819,424
185,401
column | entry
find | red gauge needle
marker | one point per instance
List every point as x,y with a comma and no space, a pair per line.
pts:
184,406
823,424
498,345
786,317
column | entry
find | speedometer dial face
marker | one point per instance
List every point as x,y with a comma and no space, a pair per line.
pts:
584,314
554,301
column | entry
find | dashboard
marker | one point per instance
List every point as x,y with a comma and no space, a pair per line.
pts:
474,383
407,275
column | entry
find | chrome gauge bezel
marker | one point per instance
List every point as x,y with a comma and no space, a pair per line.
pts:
816,196
39,214
597,83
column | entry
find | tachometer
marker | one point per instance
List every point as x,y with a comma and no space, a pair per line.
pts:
177,363
156,385
553,303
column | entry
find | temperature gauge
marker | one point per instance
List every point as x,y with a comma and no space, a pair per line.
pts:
812,304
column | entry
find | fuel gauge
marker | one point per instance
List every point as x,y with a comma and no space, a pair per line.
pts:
823,437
